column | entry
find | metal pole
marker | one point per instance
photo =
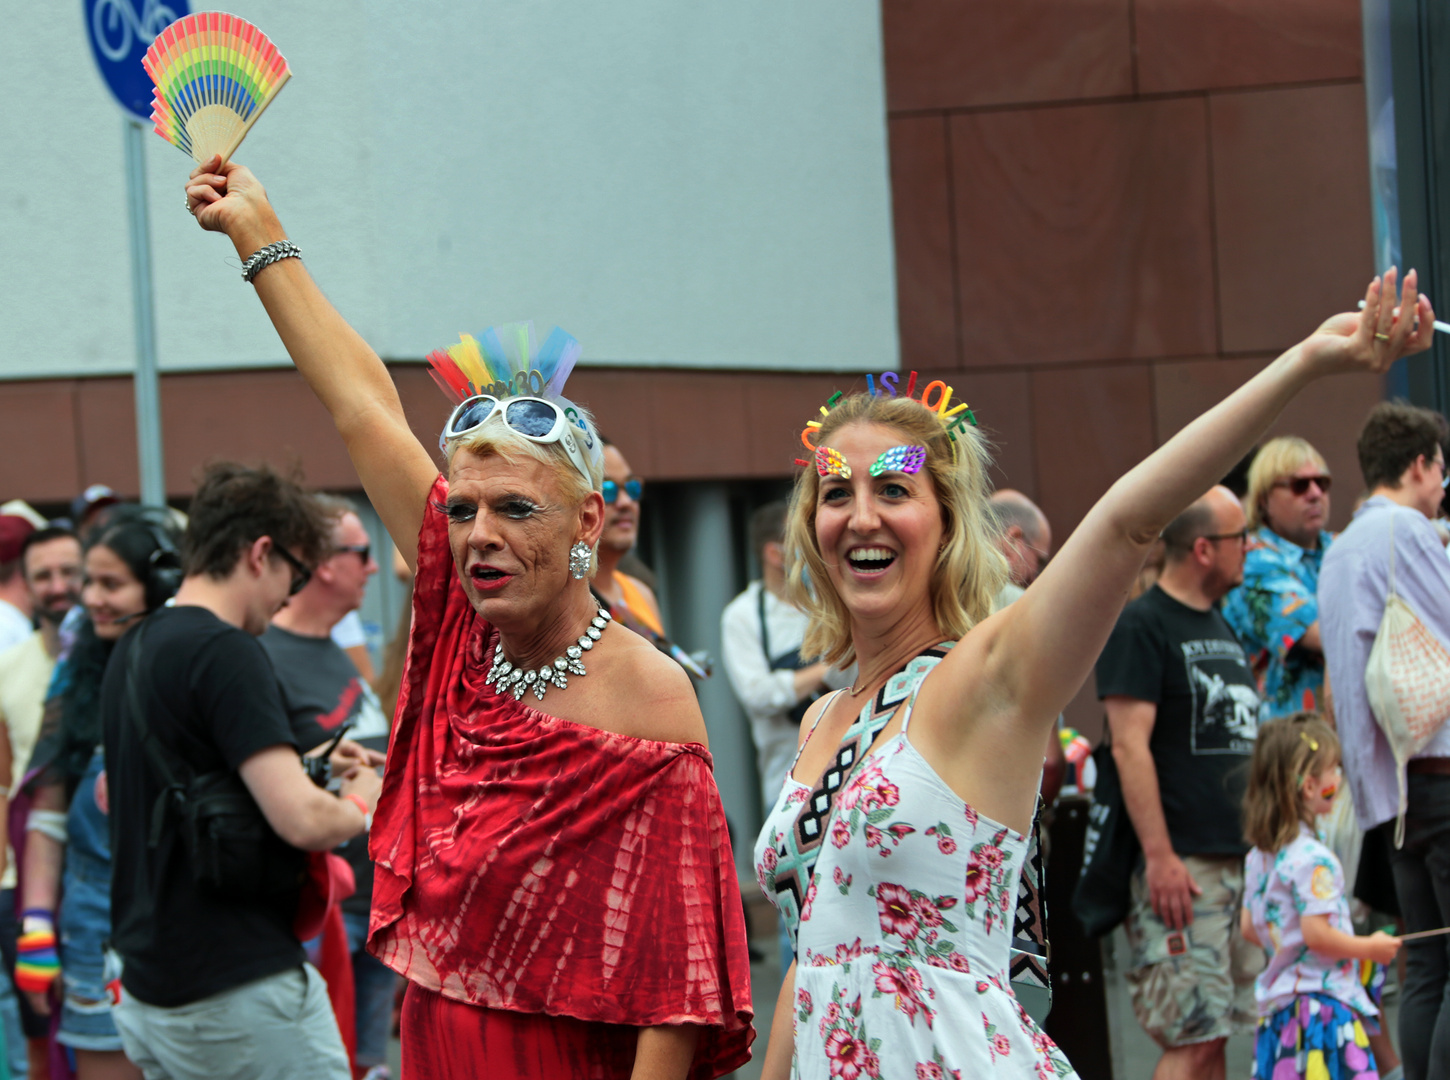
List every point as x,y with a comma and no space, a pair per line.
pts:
148,400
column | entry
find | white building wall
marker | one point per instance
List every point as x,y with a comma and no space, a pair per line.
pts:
675,184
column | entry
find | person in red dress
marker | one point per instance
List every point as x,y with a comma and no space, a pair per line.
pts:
553,872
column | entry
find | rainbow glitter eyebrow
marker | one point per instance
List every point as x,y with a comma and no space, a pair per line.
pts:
830,463
902,459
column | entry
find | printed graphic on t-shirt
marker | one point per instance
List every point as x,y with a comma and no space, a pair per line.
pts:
1225,702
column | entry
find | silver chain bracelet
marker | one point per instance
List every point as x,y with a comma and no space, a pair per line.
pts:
264,257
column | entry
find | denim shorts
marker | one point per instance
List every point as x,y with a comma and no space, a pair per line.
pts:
85,929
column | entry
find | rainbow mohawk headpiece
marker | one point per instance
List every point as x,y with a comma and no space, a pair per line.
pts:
214,75
505,361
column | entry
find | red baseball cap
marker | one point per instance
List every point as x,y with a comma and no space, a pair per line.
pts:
14,531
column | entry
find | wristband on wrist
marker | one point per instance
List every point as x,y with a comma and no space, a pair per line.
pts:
362,804
37,962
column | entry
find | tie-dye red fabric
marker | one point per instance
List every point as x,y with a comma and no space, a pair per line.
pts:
540,866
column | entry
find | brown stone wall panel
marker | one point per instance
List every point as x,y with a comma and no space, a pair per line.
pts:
1291,194
619,401
107,443
921,206
1329,413
424,405
1184,390
249,416
694,423
944,54
1206,44
1085,712
1091,425
1002,403
777,409
1084,233
38,419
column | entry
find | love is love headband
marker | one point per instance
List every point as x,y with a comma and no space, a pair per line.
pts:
954,418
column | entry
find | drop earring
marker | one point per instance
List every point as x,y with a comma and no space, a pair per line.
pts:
580,556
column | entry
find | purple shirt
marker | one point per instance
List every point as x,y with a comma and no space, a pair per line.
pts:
1353,585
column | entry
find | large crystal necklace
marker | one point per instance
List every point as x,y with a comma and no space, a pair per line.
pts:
517,680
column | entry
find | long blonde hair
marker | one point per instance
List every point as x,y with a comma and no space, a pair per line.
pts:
1274,462
1287,749
970,569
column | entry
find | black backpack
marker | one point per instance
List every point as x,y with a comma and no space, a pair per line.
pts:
232,848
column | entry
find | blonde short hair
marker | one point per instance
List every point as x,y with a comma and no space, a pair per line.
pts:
496,438
1273,463
970,568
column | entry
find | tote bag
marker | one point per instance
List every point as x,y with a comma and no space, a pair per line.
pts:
1407,681
1110,852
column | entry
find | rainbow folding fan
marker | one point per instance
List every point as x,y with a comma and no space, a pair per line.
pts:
214,74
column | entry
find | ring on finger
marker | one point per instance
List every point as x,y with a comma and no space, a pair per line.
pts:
1382,337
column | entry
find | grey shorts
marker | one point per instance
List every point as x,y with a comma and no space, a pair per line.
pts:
277,1028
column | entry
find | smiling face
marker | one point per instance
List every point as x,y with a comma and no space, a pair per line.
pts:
510,530
111,593
879,536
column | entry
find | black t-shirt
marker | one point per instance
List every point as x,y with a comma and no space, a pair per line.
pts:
1189,664
321,690
211,699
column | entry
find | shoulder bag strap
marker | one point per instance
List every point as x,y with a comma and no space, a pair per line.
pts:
170,786
1392,552
764,633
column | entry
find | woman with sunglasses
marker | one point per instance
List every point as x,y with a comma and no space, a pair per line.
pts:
553,872
895,847
131,568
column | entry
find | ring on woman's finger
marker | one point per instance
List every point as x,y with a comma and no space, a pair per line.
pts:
1382,337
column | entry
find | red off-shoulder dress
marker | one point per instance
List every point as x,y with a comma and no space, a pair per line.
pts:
546,888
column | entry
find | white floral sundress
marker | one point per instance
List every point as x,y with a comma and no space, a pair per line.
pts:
905,932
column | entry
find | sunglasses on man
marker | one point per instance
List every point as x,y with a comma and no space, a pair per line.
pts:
362,551
633,487
1299,485
301,572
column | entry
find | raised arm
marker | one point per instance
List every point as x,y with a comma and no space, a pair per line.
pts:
342,369
1041,649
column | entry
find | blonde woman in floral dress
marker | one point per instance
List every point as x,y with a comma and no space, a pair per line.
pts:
896,844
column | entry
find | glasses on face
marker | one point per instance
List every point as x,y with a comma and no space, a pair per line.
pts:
1439,463
1299,485
633,487
362,551
301,572
1241,536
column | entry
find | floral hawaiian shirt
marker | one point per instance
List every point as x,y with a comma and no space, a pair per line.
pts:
1270,612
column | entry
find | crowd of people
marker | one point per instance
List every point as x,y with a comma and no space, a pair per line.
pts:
230,848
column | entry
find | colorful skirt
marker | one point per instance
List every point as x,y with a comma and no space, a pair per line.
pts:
1315,1038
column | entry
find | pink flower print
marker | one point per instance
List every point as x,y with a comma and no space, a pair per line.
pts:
770,860
1001,1044
905,986
874,790
838,876
848,952
900,831
833,1013
957,962
971,817
1041,1043
840,832
990,854
897,911
799,795
982,987
979,881
803,1000
926,911
810,899
929,1070
874,838
872,1064
946,845
846,1054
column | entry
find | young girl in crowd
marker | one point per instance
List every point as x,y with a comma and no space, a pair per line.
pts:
1312,1004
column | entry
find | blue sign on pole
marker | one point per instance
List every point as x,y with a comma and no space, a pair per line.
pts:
120,36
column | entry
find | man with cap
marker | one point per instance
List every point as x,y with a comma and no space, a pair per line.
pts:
17,522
